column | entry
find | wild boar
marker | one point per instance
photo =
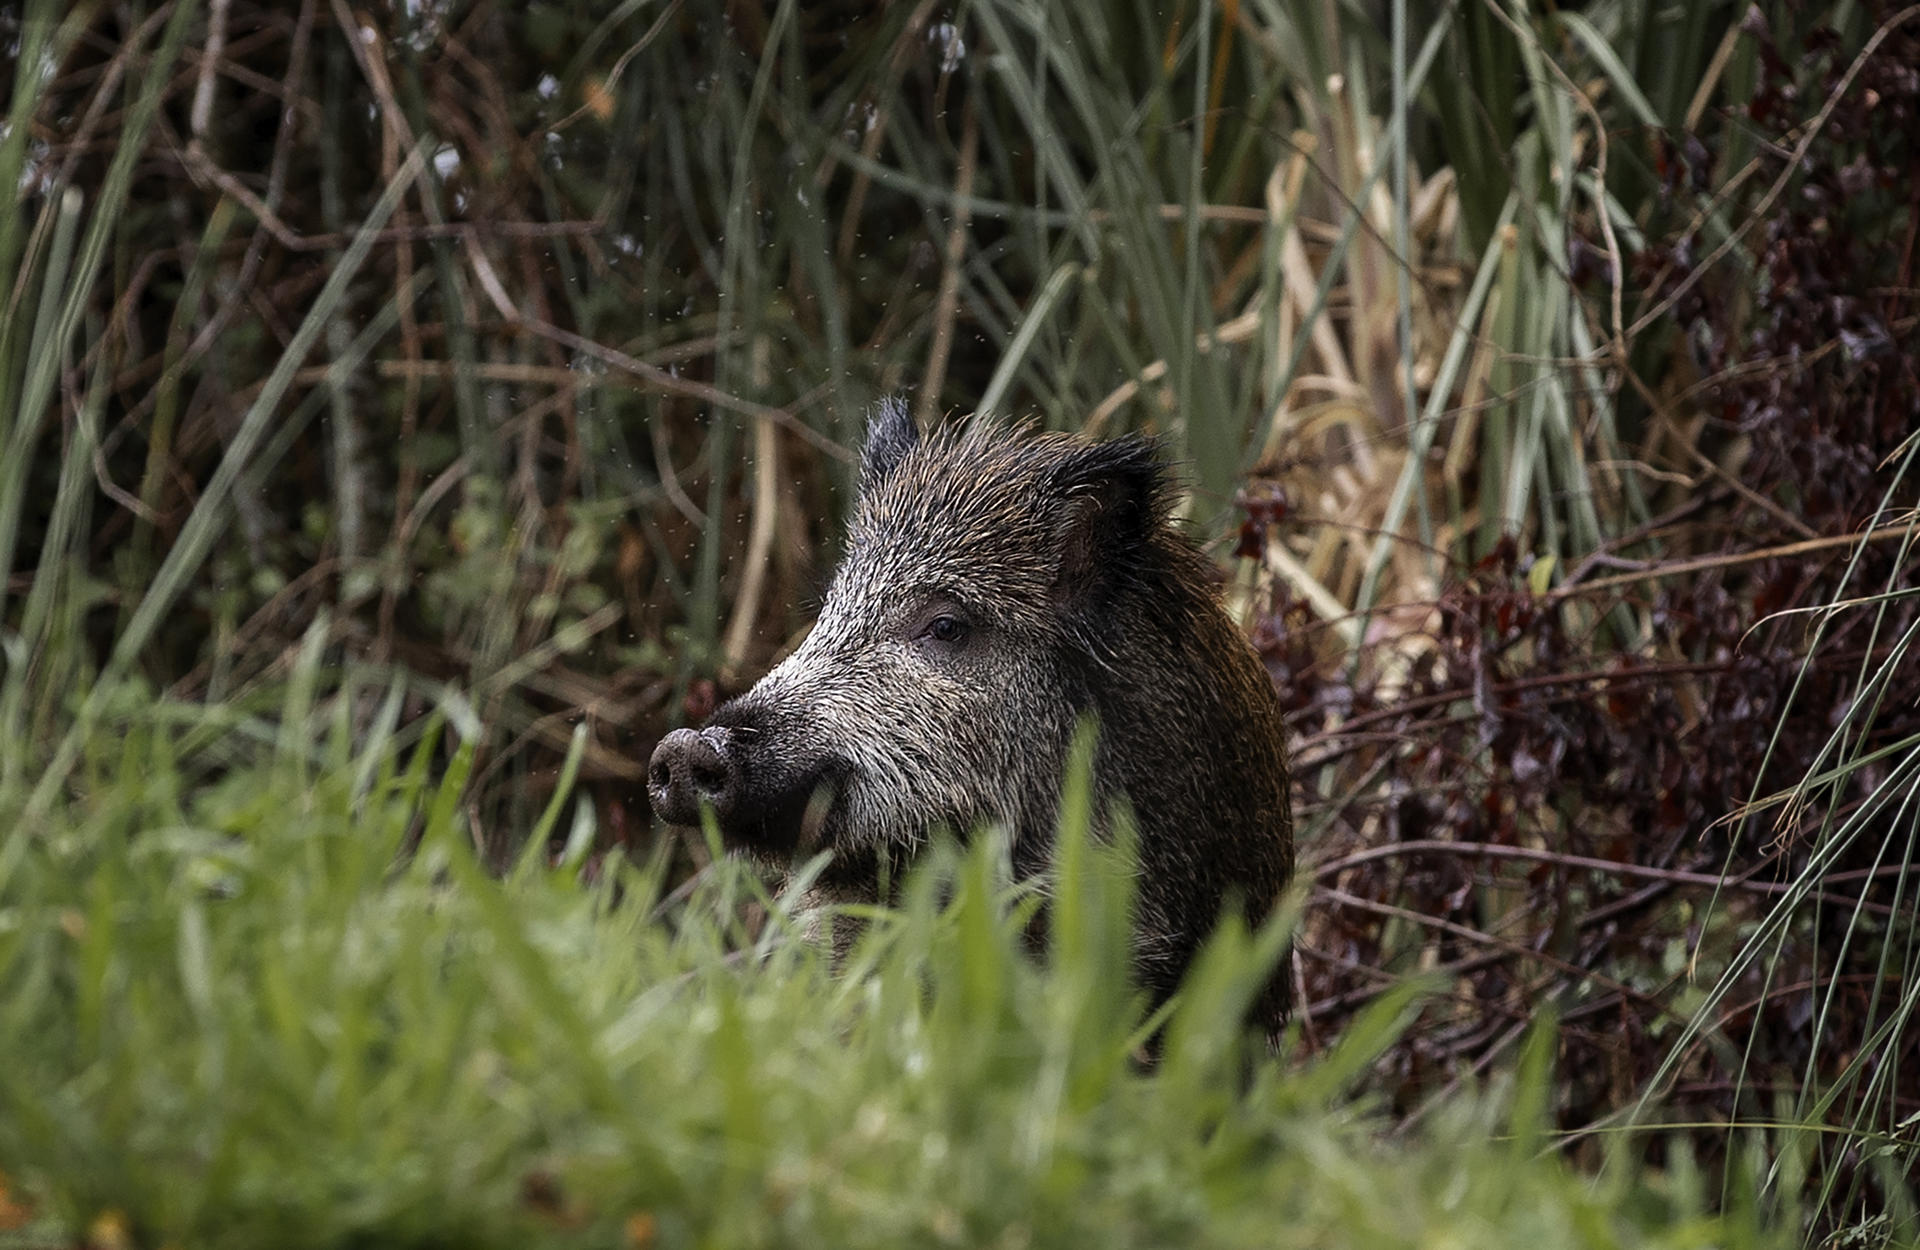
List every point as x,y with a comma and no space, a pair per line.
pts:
999,586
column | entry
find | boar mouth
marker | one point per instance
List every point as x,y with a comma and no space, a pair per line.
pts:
768,799
784,812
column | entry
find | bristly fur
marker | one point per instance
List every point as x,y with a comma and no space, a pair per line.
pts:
1075,595
891,434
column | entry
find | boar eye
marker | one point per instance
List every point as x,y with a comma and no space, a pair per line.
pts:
949,630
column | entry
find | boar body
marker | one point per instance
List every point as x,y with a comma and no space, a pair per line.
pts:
998,587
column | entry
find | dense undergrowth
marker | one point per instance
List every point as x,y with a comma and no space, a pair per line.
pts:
290,1007
1557,366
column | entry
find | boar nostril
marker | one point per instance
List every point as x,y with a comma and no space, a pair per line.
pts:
690,767
684,770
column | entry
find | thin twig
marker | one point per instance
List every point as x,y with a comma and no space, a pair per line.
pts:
1481,937
202,111
947,303
1673,876
1784,551
660,379
612,79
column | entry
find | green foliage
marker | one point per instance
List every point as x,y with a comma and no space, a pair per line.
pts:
283,1005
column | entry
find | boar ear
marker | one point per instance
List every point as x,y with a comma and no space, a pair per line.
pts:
891,434
1114,495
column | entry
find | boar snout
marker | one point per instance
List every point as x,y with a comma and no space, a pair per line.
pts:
770,789
692,766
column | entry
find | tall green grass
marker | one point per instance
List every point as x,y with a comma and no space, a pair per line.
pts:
260,991
1860,799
